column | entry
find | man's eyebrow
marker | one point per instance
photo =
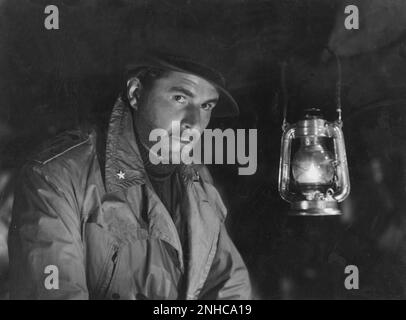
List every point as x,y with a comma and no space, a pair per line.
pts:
215,100
191,94
183,90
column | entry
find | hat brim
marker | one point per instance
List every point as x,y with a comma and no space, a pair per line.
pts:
226,106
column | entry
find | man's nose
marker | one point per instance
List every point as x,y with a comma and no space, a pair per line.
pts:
191,119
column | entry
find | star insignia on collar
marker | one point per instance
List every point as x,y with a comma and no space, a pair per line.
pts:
121,175
196,176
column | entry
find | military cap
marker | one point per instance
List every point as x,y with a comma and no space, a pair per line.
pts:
226,106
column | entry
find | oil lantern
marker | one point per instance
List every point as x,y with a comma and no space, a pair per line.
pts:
313,170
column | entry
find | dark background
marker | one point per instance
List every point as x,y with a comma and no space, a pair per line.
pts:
51,80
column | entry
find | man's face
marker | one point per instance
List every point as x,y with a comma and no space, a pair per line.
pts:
176,97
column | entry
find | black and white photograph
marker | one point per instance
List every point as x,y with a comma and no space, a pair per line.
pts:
202,150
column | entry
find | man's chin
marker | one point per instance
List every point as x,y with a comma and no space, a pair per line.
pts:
166,157
175,154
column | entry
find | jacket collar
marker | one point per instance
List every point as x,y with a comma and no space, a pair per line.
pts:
124,166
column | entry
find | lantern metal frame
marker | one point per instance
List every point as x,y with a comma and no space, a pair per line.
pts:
314,126
323,203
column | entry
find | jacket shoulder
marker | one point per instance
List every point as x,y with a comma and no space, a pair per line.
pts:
63,145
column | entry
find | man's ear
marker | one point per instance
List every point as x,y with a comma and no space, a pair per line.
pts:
134,88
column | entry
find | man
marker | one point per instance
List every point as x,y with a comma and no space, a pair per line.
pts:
94,219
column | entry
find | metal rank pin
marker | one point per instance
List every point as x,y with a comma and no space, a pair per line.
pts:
120,175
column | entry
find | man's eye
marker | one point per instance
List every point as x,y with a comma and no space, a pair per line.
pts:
180,99
208,106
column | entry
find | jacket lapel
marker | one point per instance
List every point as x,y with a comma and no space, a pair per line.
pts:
203,231
125,174
123,157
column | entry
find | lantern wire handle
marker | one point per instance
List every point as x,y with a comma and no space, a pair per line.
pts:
338,90
338,87
284,94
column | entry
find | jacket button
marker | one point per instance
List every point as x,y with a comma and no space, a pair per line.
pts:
115,296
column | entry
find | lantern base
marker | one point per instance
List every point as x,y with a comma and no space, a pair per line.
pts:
315,208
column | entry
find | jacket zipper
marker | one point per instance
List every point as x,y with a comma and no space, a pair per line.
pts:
114,259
